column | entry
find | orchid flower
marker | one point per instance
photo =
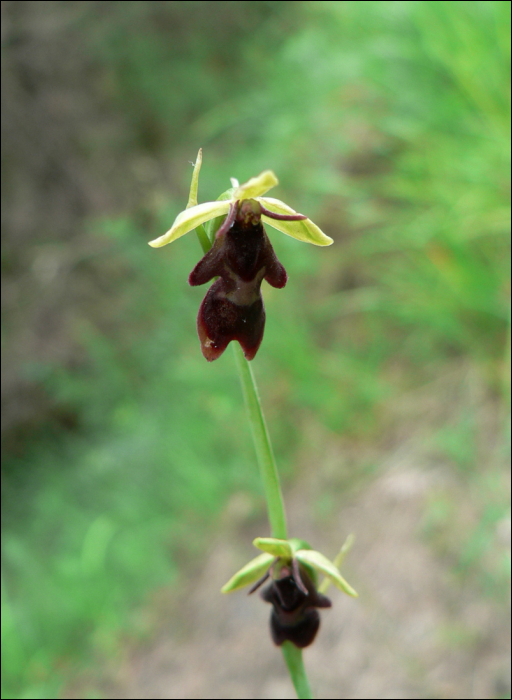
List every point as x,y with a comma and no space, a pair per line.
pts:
239,253
273,212
293,592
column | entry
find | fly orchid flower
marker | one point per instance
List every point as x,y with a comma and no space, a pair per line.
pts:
293,592
241,256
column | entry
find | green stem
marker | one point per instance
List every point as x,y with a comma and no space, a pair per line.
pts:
275,504
264,453
293,658
203,239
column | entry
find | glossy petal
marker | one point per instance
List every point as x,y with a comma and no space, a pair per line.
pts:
293,615
248,573
256,186
326,567
278,548
220,321
190,218
305,231
241,256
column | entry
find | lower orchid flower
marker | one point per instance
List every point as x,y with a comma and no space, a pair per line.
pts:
294,600
293,592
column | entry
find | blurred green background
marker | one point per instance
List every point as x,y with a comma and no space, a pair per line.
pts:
388,124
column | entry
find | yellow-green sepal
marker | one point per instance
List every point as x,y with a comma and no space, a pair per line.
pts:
317,560
256,186
275,547
249,573
189,219
192,196
296,544
337,561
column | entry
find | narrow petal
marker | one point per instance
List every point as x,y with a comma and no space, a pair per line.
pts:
281,217
305,231
297,578
228,221
248,573
326,567
256,186
190,218
278,548
214,224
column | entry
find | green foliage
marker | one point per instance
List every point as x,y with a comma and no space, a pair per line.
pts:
388,124
107,513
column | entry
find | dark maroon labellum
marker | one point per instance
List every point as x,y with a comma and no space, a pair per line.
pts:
294,601
241,256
